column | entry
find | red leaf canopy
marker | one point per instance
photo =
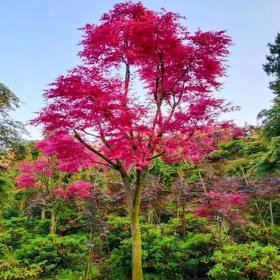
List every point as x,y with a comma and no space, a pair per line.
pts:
143,90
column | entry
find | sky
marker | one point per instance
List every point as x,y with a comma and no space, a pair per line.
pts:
39,41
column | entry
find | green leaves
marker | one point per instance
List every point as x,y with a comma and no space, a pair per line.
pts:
11,269
10,130
244,261
165,255
272,66
168,172
8,100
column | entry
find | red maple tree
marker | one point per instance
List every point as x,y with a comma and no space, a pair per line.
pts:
219,206
144,90
46,173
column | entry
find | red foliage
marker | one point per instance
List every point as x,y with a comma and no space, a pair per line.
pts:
176,114
30,171
26,181
70,154
80,189
61,154
223,205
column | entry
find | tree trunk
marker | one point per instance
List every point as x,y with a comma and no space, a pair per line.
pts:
89,259
137,273
53,222
184,222
134,201
43,213
271,214
220,230
21,205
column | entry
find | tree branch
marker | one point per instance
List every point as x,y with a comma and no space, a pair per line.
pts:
89,147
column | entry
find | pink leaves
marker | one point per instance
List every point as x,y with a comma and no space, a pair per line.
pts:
223,205
31,171
60,154
26,181
79,189
70,155
40,166
174,112
46,174
134,152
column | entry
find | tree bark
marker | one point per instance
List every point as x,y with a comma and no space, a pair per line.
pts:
43,213
53,222
184,222
134,201
89,259
137,272
271,214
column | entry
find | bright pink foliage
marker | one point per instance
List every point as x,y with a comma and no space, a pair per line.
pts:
223,205
43,174
26,181
60,154
175,115
80,189
31,171
70,154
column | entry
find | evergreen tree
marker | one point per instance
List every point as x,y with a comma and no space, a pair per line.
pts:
10,130
271,117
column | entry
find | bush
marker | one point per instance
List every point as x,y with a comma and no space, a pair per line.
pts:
219,154
11,269
69,274
14,237
55,252
119,230
33,226
252,232
166,256
246,261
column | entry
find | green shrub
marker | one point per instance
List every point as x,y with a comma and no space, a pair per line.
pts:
30,224
4,250
119,230
219,154
235,147
167,256
246,261
70,274
253,232
11,210
14,237
55,252
11,269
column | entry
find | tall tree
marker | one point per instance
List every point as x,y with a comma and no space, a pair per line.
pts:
10,130
144,91
270,132
271,117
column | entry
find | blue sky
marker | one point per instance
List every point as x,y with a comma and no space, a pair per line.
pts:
39,42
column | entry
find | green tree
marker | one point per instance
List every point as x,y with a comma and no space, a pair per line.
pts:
270,160
271,117
10,130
